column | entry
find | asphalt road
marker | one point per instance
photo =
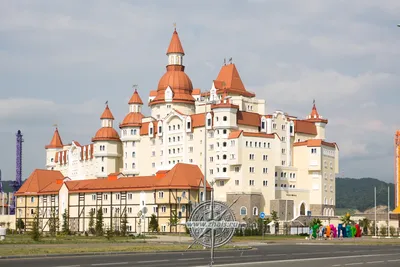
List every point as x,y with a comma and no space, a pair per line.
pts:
269,255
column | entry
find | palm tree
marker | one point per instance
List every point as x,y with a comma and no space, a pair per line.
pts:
365,224
346,219
316,221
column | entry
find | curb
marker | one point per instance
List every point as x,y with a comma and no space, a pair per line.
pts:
112,253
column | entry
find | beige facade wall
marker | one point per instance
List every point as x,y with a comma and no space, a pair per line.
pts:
279,171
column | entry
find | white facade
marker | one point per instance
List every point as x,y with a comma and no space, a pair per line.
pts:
233,141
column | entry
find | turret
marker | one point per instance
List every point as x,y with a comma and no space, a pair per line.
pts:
52,148
130,135
107,146
319,122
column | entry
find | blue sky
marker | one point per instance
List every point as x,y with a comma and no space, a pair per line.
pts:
61,60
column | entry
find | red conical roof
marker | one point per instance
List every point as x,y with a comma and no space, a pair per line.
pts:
107,114
135,99
55,141
175,45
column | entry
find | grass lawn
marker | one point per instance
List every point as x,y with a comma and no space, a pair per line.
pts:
26,239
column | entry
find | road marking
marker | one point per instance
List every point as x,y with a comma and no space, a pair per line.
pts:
109,263
393,260
225,257
372,262
191,259
250,256
272,255
336,265
152,261
262,263
354,263
68,266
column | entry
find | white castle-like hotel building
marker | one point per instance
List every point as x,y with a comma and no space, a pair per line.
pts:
271,160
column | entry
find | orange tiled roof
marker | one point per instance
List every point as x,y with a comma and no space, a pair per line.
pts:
135,99
107,114
132,119
305,127
196,91
145,128
229,79
175,45
314,115
106,134
41,182
176,178
55,141
248,118
153,93
315,143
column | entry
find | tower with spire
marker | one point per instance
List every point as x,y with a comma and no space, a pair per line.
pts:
130,135
107,146
319,121
175,88
55,145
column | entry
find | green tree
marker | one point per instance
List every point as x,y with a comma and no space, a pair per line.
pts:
35,234
174,219
124,222
383,230
346,219
53,223
91,221
153,224
65,224
315,221
99,222
365,224
20,225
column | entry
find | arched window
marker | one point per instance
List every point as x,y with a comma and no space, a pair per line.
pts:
224,156
225,118
133,154
132,132
255,211
243,211
224,169
102,169
133,165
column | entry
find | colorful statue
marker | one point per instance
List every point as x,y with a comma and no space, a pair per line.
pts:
334,230
358,231
328,231
315,228
341,231
348,231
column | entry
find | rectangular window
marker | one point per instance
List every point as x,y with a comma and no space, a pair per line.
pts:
236,182
265,170
251,182
251,169
265,183
265,157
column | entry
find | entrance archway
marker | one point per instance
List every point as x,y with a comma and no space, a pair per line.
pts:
302,209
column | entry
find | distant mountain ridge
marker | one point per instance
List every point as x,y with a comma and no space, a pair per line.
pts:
358,194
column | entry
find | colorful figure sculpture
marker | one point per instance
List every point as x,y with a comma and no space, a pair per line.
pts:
315,228
353,231
348,231
341,230
328,231
358,231
334,230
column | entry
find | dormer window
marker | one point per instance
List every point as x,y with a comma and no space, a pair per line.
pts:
263,125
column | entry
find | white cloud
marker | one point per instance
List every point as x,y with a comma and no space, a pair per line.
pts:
59,62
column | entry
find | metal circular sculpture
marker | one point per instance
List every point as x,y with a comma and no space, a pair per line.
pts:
212,224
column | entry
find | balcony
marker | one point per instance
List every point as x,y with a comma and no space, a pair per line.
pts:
221,176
